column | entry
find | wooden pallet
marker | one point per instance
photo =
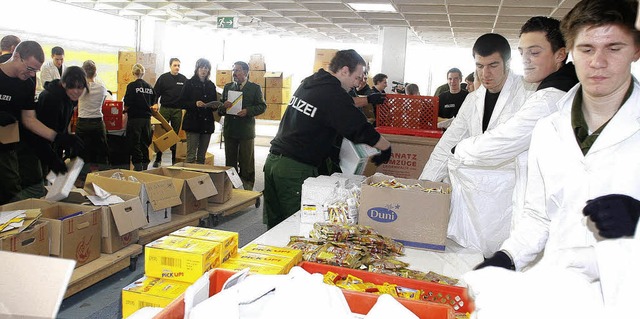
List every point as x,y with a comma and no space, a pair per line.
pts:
103,267
240,199
177,221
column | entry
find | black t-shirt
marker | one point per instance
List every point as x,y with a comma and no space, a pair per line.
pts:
16,95
490,100
449,103
168,88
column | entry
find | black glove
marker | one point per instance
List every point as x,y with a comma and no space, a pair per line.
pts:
53,160
376,98
382,158
69,141
615,215
6,118
499,259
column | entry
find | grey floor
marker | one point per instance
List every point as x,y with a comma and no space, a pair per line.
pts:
103,300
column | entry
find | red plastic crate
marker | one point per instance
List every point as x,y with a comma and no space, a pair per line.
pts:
112,112
437,133
453,296
358,302
414,112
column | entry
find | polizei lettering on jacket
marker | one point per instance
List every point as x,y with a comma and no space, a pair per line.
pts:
303,107
144,90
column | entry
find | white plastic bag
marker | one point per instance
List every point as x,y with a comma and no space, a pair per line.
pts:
481,205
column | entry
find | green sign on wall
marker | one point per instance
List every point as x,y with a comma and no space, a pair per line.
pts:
226,23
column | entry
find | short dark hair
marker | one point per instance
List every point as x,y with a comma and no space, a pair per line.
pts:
595,13
412,89
550,27
74,77
202,63
349,58
243,65
9,41
57,51
89,68
173,59
379,78
490,43
28,49
470,77
455,70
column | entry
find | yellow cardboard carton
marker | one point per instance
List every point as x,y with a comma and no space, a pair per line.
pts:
150,292
286,263
229,240
294,255
236,264
180,258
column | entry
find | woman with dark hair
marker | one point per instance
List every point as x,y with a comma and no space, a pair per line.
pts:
139,101
54,109
199,98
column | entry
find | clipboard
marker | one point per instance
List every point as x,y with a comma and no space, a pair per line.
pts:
235,97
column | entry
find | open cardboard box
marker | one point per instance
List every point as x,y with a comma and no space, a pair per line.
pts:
194,188
163,134
219,177
157,193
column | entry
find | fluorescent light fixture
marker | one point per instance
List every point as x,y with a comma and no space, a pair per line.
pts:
372,7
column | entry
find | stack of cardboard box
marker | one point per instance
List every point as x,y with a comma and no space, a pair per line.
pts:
174,262
278,94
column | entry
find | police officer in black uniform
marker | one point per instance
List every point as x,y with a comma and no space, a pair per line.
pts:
320,109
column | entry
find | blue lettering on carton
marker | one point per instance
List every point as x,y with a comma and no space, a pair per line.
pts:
382,214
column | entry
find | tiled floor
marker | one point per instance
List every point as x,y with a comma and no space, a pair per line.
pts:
103,300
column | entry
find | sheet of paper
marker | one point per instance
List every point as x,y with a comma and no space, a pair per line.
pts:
234,177
99,201
235,97
6,217
63,184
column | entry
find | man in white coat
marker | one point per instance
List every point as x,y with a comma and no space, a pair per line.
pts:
53,69
476,190
586,153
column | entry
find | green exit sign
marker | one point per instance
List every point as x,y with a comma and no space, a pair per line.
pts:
226,23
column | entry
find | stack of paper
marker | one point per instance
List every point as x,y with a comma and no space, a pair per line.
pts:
15,221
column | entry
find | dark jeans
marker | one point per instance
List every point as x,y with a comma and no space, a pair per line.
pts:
239,154
93,134
9,176
197,145
139,139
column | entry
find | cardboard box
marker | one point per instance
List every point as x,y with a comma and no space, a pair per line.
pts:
354,158
10,133
163,135
157,193
219,177
293,255
75,237
180,258
194,188
274,111
34,240
112,113
182,155
411,216
120,223
181,150
409,154
229,240
278,95
236,264
150,292
223,77
256,63
277,80
257,77
127,57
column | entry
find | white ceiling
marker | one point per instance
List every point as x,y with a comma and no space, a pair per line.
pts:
434,22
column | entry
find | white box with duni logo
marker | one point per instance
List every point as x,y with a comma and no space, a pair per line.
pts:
413,217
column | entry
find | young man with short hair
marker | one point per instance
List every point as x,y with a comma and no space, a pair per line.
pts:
168,88
451,101
500,97
53,69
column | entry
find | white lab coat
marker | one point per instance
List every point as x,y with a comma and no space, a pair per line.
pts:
48,73
481,199
510,140
561,180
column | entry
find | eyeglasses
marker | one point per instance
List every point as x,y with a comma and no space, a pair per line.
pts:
29,69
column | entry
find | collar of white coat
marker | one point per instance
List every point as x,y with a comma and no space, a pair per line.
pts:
625,122
506,95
